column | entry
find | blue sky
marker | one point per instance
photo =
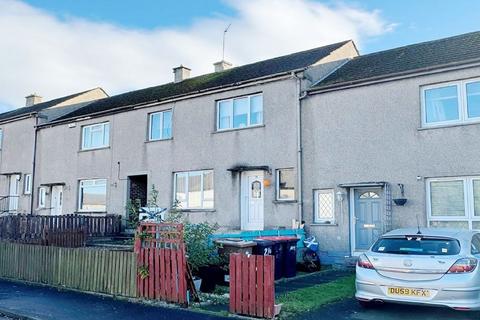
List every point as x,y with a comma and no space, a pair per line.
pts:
59,47
417,20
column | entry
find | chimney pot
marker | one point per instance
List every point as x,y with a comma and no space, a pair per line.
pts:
181,73
222,65
32,99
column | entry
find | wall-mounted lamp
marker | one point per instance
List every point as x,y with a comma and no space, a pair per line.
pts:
340,196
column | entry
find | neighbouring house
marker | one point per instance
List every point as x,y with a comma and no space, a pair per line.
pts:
405,119
17,145
224,144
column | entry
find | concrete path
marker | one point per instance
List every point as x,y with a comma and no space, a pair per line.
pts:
350,310
42,303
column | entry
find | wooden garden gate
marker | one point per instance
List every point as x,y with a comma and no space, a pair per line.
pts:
252,288
161,262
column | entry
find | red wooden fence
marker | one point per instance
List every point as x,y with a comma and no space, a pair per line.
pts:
252,288
161,262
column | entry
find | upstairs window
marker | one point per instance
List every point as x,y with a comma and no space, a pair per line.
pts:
194,189
240,112
451,103
160,125
95,136
1,139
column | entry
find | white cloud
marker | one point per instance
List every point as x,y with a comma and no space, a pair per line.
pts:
53,57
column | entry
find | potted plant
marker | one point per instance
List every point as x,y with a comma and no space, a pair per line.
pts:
402,200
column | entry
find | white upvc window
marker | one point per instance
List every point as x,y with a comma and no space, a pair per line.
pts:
92,195
160,125
241,112
1,139
324,206
194,189
285,184
96,136
27,184
42,197
454,202
451,103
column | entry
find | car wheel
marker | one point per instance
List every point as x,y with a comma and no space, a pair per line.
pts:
366,304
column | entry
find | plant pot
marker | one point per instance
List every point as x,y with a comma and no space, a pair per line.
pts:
211,275
400,201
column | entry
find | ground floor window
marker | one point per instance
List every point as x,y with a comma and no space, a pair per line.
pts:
194,189
285,184
454,202
42,195
324,206
92,195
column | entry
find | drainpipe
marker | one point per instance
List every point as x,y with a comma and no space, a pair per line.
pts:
34,160
298,111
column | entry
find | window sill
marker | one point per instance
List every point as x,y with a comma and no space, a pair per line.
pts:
93,149
158,140
319,224
451,125
284,201
238,129
198,210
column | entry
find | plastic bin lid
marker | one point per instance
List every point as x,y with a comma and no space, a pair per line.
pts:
264,242
279,238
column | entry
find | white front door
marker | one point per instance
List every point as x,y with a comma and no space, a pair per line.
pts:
252,195
56,200
13,193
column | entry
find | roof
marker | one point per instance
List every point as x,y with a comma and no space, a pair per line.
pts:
408,59
22,111
211,81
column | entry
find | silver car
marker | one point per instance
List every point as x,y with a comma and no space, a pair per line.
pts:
437,267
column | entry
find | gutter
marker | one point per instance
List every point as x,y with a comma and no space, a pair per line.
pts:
237,85
396,76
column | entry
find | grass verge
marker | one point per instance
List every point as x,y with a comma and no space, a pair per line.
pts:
311,298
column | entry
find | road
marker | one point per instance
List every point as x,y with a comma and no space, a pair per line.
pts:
45,303
350,310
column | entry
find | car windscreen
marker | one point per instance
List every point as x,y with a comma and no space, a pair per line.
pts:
417,245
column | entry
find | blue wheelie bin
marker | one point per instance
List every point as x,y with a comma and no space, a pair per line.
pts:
278,249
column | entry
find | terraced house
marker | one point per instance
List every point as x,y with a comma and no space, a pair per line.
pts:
18,143
224,144
354,145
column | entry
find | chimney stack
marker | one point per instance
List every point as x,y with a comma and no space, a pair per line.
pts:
32,99
181,73
222,65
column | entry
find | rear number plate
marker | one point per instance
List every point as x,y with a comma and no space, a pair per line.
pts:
409,292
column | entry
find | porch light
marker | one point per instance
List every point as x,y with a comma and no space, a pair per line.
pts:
340,196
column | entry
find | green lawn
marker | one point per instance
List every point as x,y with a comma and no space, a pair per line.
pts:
307,299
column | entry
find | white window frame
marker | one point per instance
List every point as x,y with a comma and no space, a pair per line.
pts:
187,174
277,184
1,138
316,218
462,104
42,197
27,183
249,125
469,216
106,141
80,182
150,119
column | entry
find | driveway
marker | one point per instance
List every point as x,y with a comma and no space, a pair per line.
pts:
349,309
